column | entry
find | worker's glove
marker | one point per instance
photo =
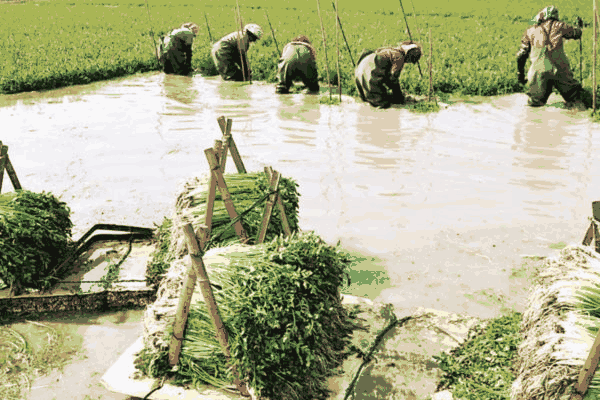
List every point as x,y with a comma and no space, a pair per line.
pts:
579,22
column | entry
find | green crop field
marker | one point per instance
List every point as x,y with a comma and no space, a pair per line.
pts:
48,44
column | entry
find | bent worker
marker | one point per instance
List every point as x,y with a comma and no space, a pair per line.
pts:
229,53
298,62
378,72
543,43
175,50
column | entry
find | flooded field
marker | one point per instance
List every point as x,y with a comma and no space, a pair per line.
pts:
440,208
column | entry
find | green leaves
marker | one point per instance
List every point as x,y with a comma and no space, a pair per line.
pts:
480,367
35,232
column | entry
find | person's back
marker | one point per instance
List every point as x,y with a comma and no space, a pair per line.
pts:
176,51
297,61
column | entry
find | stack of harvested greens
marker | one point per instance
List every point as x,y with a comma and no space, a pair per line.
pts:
559,327
36,234
245,190
281,304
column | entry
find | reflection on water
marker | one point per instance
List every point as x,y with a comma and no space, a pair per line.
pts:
410,189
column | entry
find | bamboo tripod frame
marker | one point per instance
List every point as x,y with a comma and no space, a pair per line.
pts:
5,164
197,271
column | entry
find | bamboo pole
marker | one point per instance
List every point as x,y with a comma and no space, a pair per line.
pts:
409,35
183,309
337,47
268,210
594,69
225,195
588,370
343,34
324,48
199,272
3,158
430,65
272,31
152,33
243,55
212,192
284,222
415,17
208,28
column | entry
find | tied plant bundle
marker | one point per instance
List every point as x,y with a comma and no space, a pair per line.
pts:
245,191
288,330
559,327
36,236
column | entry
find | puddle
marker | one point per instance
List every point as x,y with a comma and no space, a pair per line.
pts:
441,206
85,345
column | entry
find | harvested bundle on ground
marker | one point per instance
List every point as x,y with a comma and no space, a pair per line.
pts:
36,233
559,327
288,329
245,190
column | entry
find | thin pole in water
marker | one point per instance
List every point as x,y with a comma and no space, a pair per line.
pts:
243,55
594,70
343,34
337,46
430,65
324,48
272,31
152,33
208,28
409,35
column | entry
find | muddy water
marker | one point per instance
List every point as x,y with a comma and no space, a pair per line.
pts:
89,345
441,207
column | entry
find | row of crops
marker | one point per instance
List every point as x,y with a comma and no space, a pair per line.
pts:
46,45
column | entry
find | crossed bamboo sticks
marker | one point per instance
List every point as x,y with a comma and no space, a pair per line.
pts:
217,158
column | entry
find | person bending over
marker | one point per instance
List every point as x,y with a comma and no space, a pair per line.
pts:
227,56
175,50
377,73
298,62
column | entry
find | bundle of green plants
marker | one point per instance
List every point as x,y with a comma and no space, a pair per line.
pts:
288,330
482,366
36,236
161,257
245,191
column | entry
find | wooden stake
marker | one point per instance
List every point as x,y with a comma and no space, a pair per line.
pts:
284,222
198,271
588,370
229,145
337,47
274,185
216,172
3,157
212,192
324,48
594,69
430,65
183,309
243,55
208,29
272,32
343,34
589,235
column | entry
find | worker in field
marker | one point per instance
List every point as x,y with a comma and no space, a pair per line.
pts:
377,73
298,62
175,50
229,53
543,44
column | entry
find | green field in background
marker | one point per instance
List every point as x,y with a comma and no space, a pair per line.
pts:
48,44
